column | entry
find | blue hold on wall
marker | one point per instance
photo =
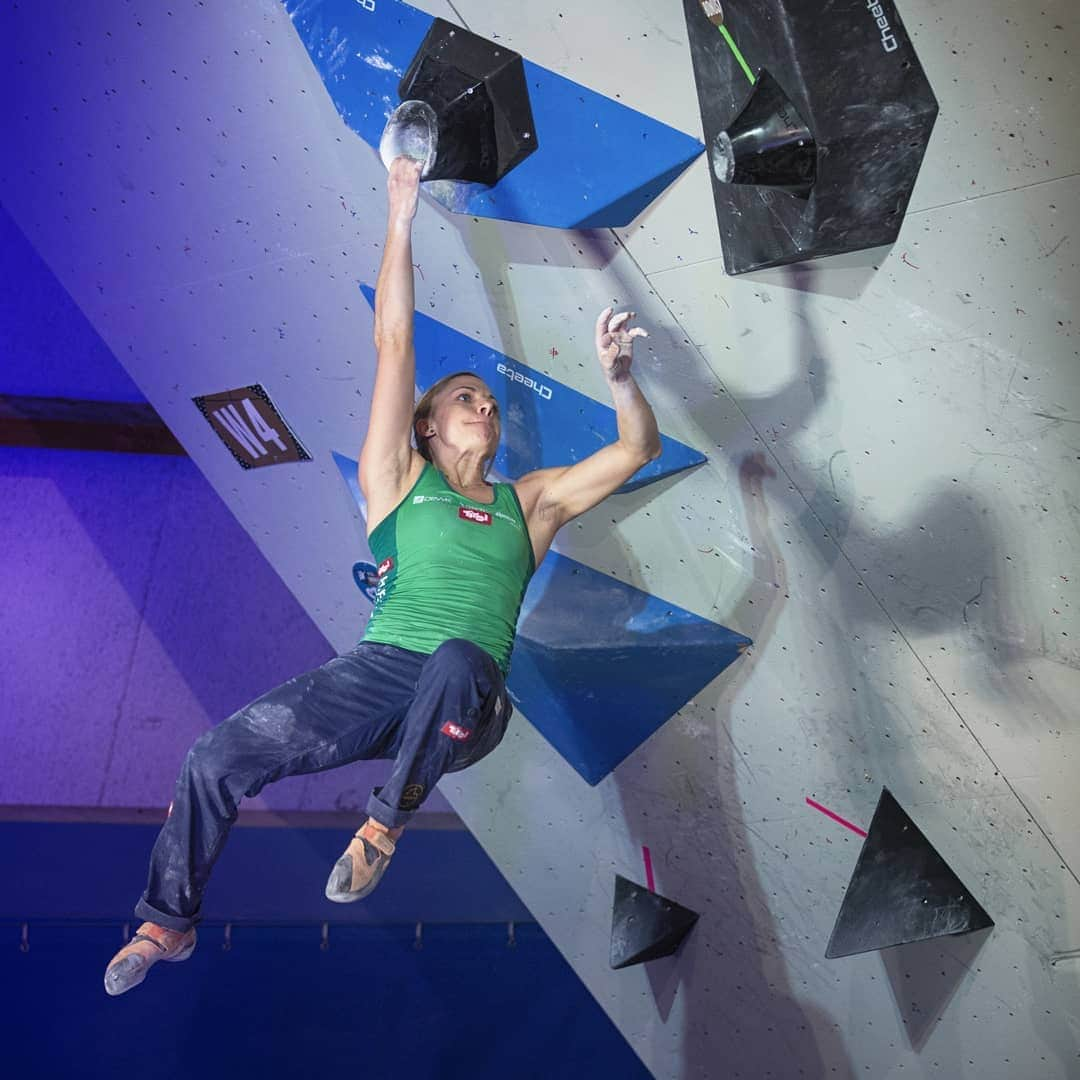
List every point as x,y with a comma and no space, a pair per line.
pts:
598,162
598,665
544,422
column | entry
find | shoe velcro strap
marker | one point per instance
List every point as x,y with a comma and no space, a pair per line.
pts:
377,838
146,937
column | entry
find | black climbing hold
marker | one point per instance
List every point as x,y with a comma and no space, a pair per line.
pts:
773,73
902,890
645,925
767,144
465,111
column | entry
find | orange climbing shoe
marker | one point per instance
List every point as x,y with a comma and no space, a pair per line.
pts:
150,944
366,858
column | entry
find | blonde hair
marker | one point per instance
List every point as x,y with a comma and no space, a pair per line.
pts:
426,406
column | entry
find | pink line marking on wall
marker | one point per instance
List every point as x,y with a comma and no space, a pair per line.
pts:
835,817
648,868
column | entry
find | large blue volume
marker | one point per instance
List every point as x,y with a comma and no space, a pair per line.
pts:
598,165
598,665
544,422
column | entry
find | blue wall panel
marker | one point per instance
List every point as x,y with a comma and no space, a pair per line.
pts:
275,1004
545,424
568,182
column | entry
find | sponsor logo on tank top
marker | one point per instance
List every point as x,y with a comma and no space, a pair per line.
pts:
455,731
417,499
467,513
385,567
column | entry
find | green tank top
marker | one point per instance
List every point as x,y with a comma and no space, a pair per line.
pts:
450,567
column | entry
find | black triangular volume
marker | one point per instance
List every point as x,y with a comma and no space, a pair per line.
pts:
902,890
856,141
645,925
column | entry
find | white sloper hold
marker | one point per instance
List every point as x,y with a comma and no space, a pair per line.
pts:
413,132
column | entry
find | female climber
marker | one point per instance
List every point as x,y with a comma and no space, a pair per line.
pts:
425,686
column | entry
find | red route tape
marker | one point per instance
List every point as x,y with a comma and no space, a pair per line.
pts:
648,868
835,817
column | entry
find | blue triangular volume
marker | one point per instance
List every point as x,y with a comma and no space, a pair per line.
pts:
350,473
544,422
599,665
569,182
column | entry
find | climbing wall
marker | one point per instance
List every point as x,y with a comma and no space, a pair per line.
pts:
887,507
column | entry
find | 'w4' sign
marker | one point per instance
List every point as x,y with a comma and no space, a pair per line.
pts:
230,419
251,427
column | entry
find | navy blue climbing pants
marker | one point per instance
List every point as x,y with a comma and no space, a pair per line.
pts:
430,714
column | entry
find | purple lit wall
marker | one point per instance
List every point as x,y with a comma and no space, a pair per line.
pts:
130,594
47,346
136,611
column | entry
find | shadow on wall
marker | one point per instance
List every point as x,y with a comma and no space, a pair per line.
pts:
941,558
943,579
951,579
921,983
938,564
739,1011
740,1005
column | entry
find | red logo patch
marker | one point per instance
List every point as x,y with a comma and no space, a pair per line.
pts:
481,517
385,567
455,731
